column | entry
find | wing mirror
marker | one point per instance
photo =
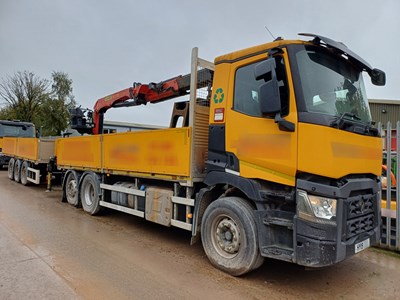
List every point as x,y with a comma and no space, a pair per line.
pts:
269,95
378,77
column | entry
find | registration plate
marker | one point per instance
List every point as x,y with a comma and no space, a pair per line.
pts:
362,246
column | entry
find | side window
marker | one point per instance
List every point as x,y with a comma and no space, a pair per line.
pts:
246,89
245,99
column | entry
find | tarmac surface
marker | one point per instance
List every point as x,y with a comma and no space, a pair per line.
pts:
25,274
50,250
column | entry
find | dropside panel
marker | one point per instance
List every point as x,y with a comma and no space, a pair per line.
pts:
27,148
81,152
164,152
10,146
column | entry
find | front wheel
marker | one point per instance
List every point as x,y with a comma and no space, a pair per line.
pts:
24,172
17,170
229,236
90,194
71,188
11,164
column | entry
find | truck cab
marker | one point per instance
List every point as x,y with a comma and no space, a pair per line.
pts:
300,145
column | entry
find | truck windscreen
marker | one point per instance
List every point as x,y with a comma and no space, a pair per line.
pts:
16,130
331,84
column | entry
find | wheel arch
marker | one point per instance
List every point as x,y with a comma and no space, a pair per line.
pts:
250,188
216,180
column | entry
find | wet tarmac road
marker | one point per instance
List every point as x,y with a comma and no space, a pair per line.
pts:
50,250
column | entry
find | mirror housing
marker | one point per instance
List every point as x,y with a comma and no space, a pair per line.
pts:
269,98
268,93
378,77
264,69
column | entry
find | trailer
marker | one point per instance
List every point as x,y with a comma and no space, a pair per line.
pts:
13,129
29,158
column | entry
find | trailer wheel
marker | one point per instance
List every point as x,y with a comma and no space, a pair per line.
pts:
24,172
90,194
17,170
11,168
229,236
71,188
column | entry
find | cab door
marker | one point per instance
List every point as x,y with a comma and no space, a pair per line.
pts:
264,151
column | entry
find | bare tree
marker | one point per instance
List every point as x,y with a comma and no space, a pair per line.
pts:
23,94
26,97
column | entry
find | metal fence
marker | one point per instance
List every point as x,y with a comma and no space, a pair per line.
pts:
390,207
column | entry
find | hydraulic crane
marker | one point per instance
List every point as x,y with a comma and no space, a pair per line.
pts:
139,94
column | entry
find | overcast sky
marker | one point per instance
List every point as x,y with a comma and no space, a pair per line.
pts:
104,46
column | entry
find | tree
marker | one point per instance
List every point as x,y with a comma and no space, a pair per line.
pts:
7,113
22,95
28,98
54,112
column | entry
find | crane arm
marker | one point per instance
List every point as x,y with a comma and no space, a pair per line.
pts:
140,94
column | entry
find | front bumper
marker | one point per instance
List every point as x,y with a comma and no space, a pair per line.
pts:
357,221
4,159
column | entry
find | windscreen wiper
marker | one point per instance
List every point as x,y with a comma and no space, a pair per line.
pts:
357,127
339,122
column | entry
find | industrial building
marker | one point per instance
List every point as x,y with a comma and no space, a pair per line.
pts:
383,111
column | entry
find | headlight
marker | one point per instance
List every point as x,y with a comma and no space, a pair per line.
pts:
315,208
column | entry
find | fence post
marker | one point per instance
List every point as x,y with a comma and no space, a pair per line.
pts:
397,186
388,183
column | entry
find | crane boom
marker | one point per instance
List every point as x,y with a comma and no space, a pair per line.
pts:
139,94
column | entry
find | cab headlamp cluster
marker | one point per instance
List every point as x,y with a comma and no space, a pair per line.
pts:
315,208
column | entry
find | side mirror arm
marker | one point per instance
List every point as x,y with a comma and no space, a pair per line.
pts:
283,124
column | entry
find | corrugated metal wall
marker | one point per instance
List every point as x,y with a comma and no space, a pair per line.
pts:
385,111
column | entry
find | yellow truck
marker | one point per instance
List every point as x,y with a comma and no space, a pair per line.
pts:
13,129
272,153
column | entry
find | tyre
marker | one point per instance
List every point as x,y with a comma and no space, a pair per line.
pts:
90,193
71,188
229,236
259,262
17,170
11,164
24,172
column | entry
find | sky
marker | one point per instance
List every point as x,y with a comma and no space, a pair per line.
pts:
105,46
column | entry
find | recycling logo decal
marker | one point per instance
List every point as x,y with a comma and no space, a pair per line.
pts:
219,96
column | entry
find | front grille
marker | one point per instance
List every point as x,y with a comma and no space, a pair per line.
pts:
360,215
360,205
359,225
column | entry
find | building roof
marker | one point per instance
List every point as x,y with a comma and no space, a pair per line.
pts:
384,101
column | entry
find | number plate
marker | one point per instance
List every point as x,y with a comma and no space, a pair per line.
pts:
362,246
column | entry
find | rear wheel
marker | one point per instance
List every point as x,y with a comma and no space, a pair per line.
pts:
17,170
229,236
11,164
71,188
24,172
90,194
